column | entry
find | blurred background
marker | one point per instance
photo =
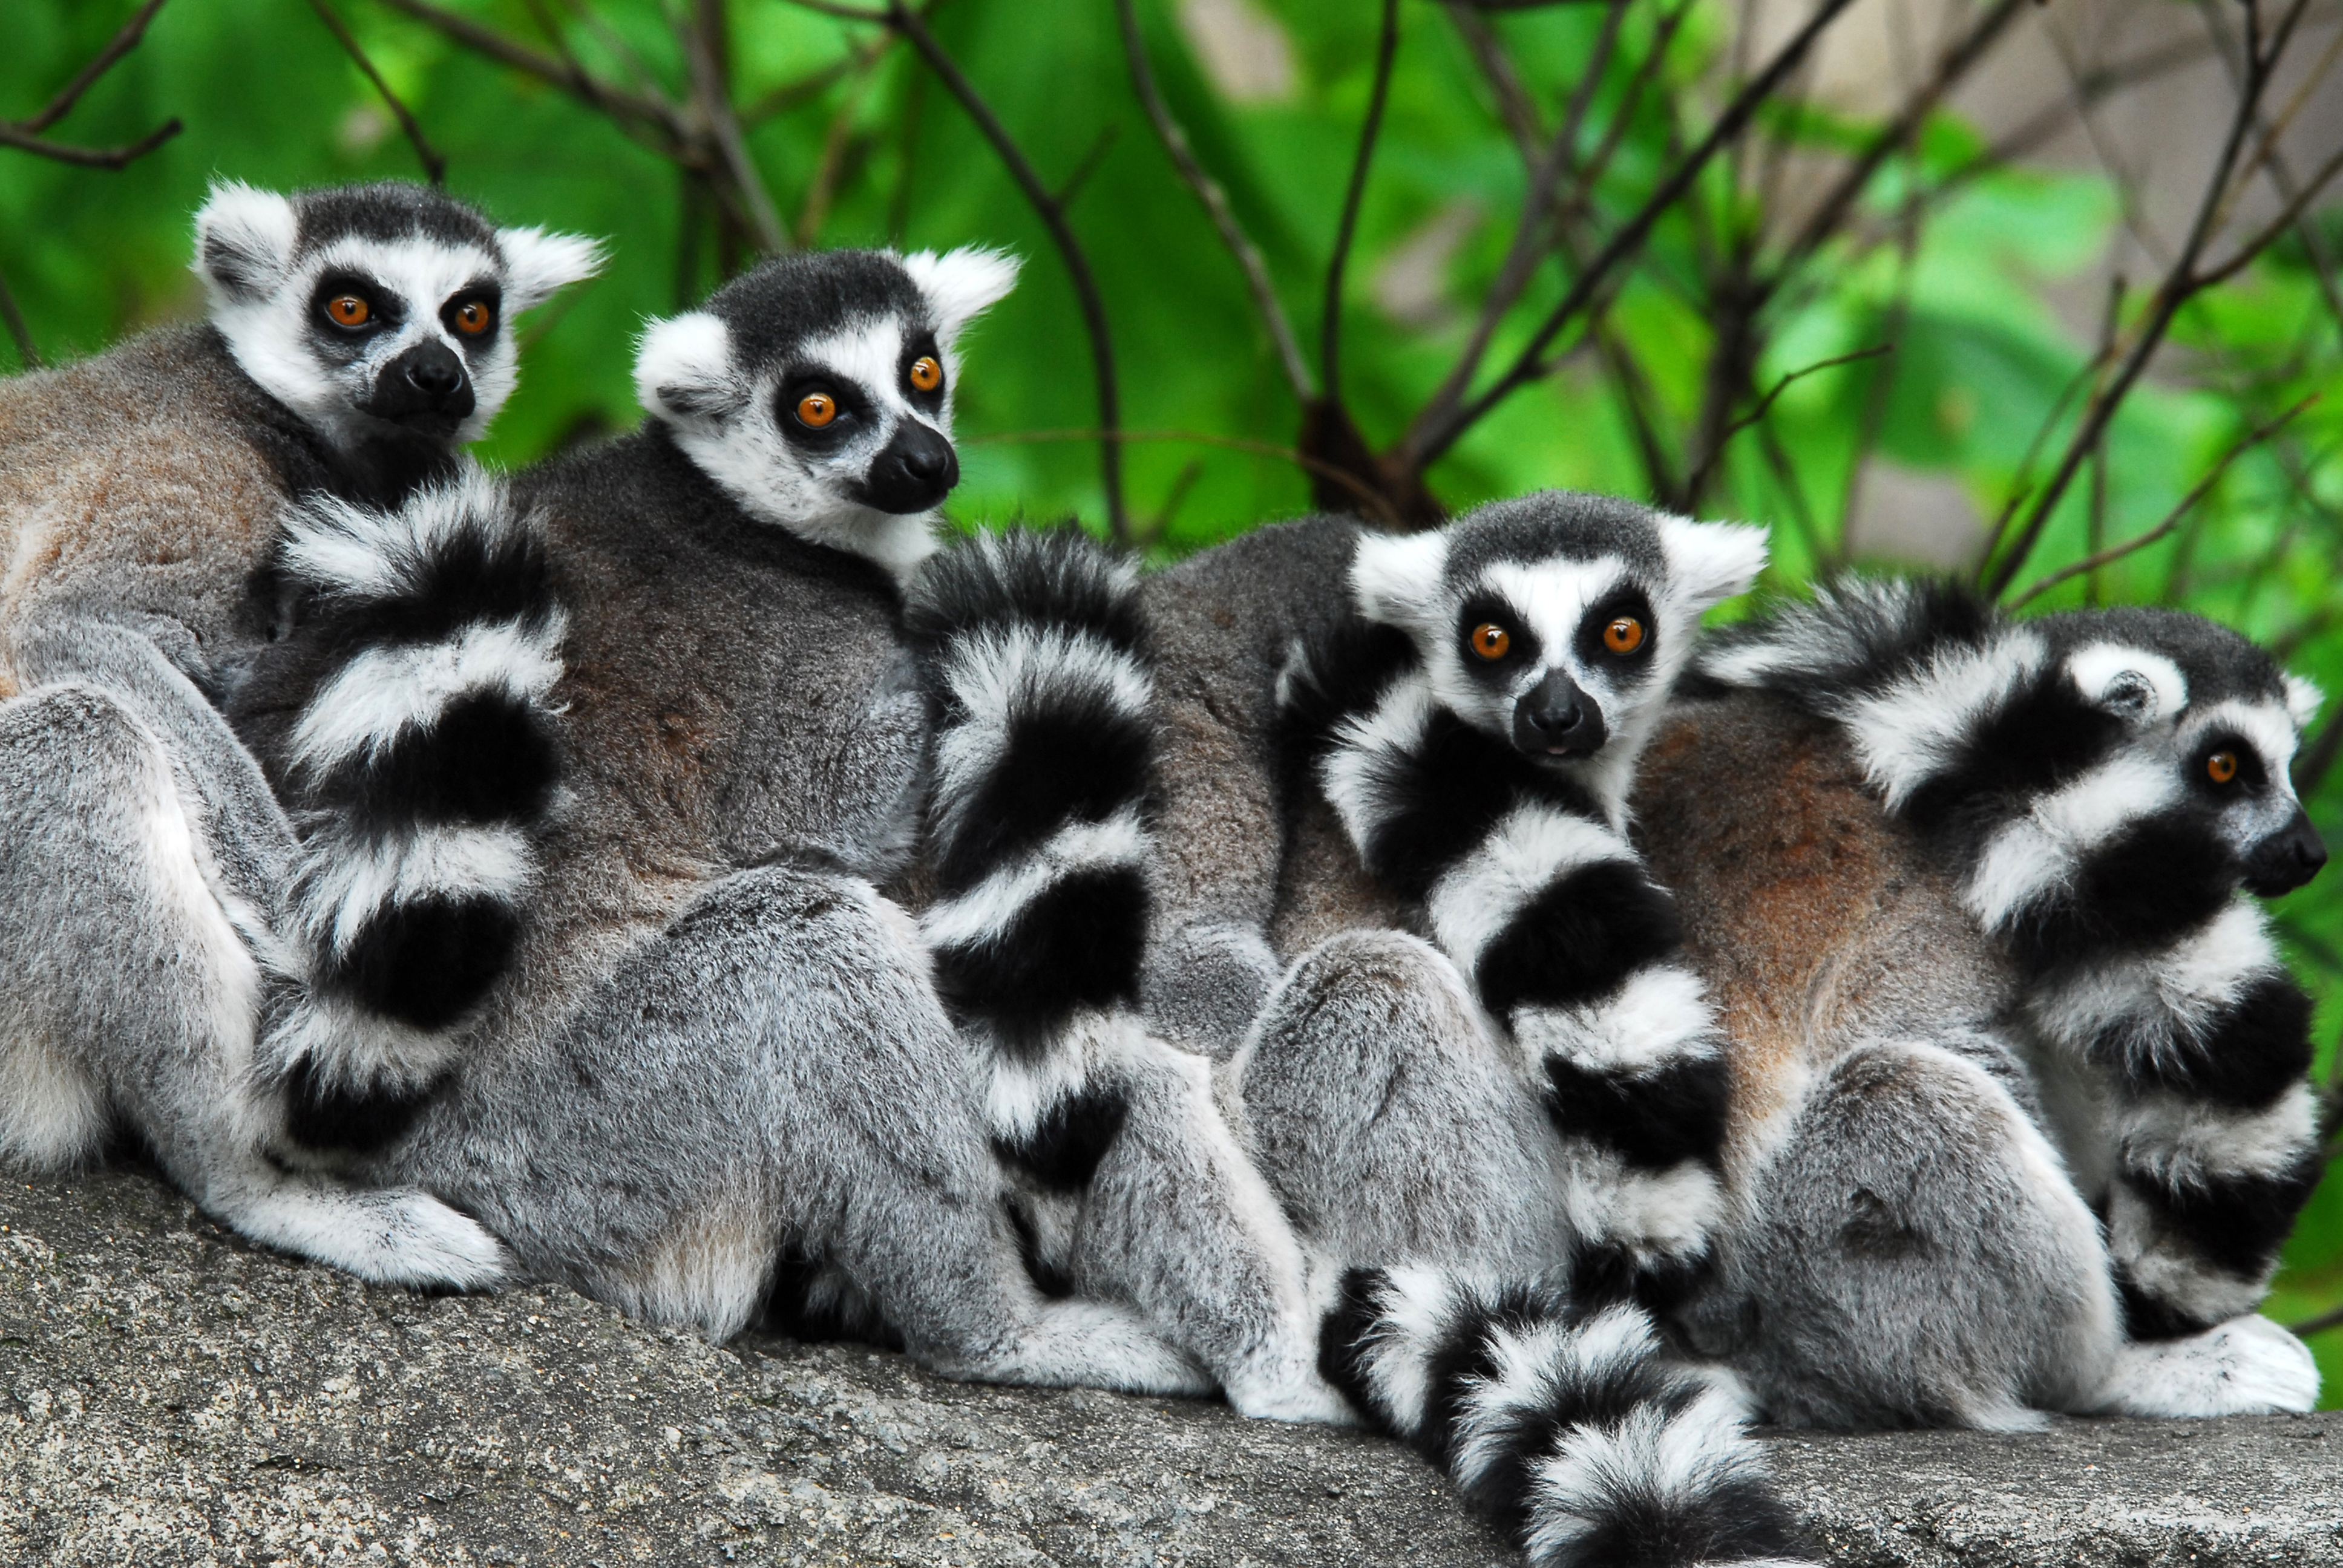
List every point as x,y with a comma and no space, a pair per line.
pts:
2040,294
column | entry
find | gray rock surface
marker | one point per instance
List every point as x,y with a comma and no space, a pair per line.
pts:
168,1394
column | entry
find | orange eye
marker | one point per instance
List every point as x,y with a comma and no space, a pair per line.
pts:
1624,635
1491,641
816,409
349,310
472,319
927,374
2221,766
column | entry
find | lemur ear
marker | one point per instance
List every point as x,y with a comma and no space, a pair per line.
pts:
1395,577
683,370
243,242
2303,700
961,284
538,265
1712,562
2129,682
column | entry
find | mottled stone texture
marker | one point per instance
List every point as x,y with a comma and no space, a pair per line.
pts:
168,1394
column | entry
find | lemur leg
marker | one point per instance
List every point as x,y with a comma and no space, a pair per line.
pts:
1392,1122
1913,1252
767,1088
1173,1218
133,997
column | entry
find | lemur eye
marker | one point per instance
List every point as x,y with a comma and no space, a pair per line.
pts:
815,409
473,317
2221,766
1624,635
926,374
348,310
1491,641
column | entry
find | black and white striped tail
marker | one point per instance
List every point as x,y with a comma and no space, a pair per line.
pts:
2141,963
415,740
1564,1424
1031,648
1528,885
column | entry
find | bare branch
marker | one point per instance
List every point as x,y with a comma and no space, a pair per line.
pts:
121,44
22,334
1053,214
2172,518
1376,505
2181,283
1330,331
435,167
1424,442
120,157
1215,202
711,91
639,109
1693,484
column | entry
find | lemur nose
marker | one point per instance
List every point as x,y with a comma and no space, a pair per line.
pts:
2287,858
916,471
437,373
1555,718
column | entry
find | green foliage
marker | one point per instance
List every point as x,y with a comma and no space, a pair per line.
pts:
1946,255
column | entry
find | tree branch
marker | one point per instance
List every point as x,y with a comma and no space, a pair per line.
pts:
1429,438
711,91
15,320
1330,331
1376,505
642,109
1695,481
2172,518
435,167
1051,212
1215,203
122,43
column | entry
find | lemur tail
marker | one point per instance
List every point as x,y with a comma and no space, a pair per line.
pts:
1031,648
1564,1425
407,720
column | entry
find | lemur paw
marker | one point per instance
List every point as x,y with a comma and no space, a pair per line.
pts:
1293,1394
1203,985
2247,1366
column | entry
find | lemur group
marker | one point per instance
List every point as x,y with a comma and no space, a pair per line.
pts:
1420,981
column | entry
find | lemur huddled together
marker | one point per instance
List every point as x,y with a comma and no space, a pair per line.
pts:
1422,980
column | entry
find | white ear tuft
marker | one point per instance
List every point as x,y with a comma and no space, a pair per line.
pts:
1395,577
961,284
2303,700
2132,682
243,242
1712,562
538,265
683,369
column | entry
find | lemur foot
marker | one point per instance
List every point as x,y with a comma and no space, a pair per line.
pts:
2247,1366
1295,1394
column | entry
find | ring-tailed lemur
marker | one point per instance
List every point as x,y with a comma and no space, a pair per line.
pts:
1441,743
2020,1113
719,1079
356,335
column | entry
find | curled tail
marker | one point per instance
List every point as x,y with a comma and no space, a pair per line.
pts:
1032,651
407,722
1563,1425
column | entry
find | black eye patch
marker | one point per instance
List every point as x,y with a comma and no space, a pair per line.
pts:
799,409
1493,657
348,310
474,314
922,361
2226,766
1604,641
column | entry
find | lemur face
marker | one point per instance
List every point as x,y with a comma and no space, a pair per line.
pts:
2205,726
1556,622
370,310
817,391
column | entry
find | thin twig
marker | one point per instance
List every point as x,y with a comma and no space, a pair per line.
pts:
1382,508
907,21
1215,202
435,167
14,319
1330,330
1429,439
121,44
2331,1318
643,110
2172,518
120,157
2182,282
1764,405
711,89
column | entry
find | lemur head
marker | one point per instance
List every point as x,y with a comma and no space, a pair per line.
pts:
377,312
817,390
1556,622
2200,725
